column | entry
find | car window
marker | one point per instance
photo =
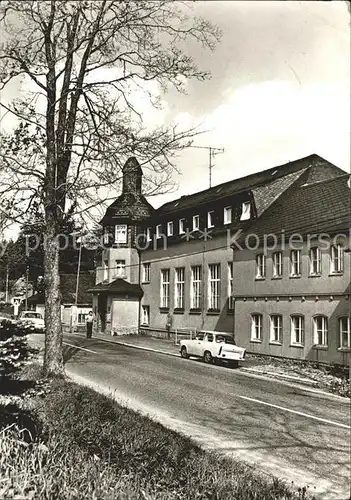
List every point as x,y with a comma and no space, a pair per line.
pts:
32,315
200,336
209,337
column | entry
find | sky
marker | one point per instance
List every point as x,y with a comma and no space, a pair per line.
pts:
280,90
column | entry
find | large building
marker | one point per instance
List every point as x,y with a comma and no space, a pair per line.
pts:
205,261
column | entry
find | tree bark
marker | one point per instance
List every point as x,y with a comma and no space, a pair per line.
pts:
53,359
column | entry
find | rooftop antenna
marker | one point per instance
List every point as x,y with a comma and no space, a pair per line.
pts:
212,152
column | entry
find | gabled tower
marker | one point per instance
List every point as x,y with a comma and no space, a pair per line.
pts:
117,291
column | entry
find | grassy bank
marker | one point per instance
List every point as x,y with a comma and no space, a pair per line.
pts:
82,445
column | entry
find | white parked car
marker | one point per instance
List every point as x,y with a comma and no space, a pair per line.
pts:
31,321
213,347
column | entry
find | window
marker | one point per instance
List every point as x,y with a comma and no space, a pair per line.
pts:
81,318
295,263
214,283
277,264
120,268
209,337
121,233
170,228
315,260
256,327
345,331
179,288
106,236
181,226
297,329
164,288
227,215
245,211
230,285
320,330
158,231
196,223
210,219
148,234
105,269
145,320
195,287
260,266
336,259
276,328
146,272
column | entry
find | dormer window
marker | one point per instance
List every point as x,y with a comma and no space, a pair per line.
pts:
181,226
246,211
227,215
158,231
121,233
170,228
210,219
196,223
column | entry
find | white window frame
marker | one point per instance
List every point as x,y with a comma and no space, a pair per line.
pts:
179,287
345,330
196,222
256,327
276,328
214,286
146,272
315,261
295,263
145,315
230,285
105,267
165,288
158,231
181,226
260,266
210,222
120,270
148,234
196,287
277,259
336,259
106,236
320,331
121,233
245,210
170,230
297,329
227,215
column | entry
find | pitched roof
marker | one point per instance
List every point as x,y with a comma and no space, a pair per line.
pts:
242,184
68,289
321,207
119,287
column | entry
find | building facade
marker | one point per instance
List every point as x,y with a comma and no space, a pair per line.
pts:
179,266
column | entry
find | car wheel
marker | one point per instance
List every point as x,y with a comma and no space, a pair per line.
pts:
234,364
208,357
184,353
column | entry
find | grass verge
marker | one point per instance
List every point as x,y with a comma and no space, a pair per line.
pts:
79,444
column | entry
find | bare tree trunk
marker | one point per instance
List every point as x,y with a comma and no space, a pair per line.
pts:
53,360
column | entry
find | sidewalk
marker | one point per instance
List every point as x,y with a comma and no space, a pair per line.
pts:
278,369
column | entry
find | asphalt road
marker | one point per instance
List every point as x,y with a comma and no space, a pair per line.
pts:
293,433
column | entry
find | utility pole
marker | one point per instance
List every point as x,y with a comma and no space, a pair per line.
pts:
27,271
7,286
212,152
77,282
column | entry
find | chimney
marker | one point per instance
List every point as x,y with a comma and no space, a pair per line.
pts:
132,177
